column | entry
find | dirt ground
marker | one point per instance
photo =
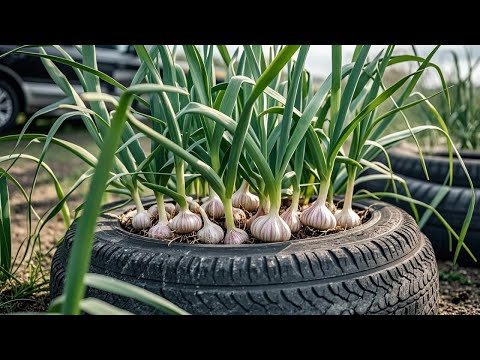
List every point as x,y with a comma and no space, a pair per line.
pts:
459,286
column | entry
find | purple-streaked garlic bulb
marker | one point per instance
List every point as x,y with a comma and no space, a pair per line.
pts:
235,237
210,233
185,222
270,228
292,219
243,198
318,216
214,206
347,218
160,231
141,221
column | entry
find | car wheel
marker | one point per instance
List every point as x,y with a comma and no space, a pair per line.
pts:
9,106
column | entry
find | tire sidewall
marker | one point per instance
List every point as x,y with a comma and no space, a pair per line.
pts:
382,266
4,85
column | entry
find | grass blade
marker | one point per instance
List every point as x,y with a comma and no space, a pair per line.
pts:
5,233
122,288
94,306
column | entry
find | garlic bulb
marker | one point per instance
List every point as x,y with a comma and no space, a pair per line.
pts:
243,198
214,207
194,207
185,222
347,218
239,216
292,218
153,211
261,211
235,237
318,216
170,209
160,231
210,233
141,221
270,228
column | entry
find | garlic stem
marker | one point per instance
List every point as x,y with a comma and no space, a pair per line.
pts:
346,217
244,186
347,203
162,214
137,201
179,172
228,207
204,216
295,200
323,193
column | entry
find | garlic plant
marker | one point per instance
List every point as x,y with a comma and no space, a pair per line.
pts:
210,233
141,220
214,206
346,217
243,198
160,231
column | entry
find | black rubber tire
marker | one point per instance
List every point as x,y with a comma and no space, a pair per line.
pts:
15,106
385,266
405,162
453,208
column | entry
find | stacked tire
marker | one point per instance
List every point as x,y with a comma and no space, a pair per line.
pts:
453,207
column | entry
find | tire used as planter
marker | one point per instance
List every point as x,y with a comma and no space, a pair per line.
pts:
384,266
454,205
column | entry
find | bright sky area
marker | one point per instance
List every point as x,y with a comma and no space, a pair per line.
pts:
319,59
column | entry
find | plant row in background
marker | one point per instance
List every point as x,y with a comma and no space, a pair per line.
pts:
245,154
462,115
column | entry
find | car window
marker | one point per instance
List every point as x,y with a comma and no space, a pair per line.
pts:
122,48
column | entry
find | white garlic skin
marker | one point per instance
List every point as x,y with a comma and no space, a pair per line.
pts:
185,222
170,209
318,217
214,208
235,237
153,211
141,221
270,228
210,233
292,218
242,198
160,231
347,218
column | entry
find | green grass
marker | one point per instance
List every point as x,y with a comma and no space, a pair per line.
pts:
455,276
